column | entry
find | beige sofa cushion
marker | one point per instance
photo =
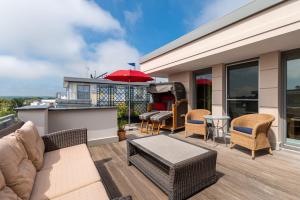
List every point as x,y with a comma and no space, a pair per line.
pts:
64,170
18,171
2,181
33,143
95,191
5,192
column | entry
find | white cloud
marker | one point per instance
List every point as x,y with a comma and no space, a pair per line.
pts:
43,39
48,28
216,9
14,68
112,55
132,17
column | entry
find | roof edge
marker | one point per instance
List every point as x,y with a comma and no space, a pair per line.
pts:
100,81
241,13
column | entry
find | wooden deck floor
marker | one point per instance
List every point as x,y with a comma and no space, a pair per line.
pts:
240,177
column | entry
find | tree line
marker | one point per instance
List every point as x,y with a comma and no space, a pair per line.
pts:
8,105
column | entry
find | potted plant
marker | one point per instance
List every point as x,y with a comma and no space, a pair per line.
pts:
121,130
122,111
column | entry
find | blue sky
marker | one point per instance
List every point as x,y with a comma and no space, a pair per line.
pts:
43,40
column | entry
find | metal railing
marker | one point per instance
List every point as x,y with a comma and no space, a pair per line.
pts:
7,120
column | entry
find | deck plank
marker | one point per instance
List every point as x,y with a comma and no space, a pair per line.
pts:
240,177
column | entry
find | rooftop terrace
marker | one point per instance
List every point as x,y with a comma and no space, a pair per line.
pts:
239,177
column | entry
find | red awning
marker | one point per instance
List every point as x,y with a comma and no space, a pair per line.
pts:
203,82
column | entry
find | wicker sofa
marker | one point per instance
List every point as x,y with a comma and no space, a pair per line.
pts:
195,122
251,132
67,170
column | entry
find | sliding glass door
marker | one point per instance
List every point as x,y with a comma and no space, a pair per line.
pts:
292,97
242,89
203,86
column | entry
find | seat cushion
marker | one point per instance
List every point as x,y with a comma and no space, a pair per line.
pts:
6,193
33,143
18,171
192,121
64,170
243,129
95,191
159,106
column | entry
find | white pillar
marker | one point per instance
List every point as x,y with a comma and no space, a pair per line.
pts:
269,70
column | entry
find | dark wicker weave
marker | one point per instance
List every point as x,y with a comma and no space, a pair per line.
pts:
65,138
180,180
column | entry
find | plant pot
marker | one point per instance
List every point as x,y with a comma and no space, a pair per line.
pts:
122,135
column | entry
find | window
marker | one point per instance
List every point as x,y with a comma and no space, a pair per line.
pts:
83,92
292,97
242,89
203,86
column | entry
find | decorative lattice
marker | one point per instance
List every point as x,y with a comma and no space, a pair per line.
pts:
114,94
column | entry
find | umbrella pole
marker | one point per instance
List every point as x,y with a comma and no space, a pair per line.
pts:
129,101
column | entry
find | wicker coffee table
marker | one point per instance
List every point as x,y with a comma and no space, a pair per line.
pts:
180,169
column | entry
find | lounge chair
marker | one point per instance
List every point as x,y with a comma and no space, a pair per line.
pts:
169,100
145,118
195,122
251,132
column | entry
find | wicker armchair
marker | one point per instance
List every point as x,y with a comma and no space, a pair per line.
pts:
197,114
258,138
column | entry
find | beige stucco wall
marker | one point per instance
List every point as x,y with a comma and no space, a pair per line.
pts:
38,116
186,78
269,84
218,89
101,123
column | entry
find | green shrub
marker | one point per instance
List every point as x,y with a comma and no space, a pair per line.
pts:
122,110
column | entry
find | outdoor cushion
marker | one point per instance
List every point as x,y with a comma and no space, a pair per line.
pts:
95,191
147,115
33,143
2,181
243,129
18,171
192,121
159,106
161,116
64,170
167,97
6,193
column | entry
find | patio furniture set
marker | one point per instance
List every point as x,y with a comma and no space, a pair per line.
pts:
169,111
181,169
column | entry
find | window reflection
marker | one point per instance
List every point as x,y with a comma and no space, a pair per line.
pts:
243,81
204,90
242,89
293,99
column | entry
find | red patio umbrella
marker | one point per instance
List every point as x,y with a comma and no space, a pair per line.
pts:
129,76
